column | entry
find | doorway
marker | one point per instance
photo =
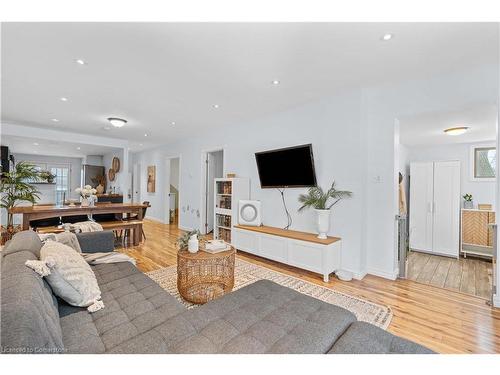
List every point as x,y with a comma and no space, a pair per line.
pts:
172,170
448,186
212,168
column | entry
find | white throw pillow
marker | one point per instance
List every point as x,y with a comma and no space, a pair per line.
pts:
69,275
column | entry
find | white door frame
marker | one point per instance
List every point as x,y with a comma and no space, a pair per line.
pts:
166,192
203,158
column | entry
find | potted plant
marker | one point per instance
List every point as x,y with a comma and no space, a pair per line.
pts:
47,177
322,201
14,189
468,203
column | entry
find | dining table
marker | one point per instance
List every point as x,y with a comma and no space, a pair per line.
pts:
42,211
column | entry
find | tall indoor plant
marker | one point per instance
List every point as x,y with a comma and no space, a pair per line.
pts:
322,201
15,187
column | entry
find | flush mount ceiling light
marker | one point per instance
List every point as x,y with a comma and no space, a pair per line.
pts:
276,82
387,37
63,99
117,122
80,62
458,130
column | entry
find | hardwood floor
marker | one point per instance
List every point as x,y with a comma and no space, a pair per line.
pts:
467,275
444,320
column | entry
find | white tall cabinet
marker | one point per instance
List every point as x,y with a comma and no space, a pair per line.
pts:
435,207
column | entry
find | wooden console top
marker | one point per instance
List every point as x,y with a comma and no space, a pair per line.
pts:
294,234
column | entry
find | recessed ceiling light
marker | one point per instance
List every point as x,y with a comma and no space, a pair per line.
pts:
117,122
140,144
276,82
387,37
216,106
63,99
458,130
145,134
35,143
173,122
80,61
55,120
78,148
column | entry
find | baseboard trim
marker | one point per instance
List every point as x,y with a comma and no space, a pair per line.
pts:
154,219
496,300
386,275
356,275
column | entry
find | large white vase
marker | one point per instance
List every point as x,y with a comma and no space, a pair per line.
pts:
323,223
85,202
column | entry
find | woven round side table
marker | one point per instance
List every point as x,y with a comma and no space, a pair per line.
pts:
202,277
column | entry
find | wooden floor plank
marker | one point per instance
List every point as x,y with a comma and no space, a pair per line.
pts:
441,273
443,320
427,272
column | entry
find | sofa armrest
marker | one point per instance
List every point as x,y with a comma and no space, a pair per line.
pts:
96,242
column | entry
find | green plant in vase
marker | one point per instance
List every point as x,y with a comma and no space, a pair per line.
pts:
322,201
15,189
468,203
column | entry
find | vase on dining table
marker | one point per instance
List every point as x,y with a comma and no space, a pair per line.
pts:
85,202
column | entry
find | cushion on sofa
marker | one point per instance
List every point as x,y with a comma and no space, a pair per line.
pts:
364,338
96,242
263,317
26,240
69,275
135,305
29,310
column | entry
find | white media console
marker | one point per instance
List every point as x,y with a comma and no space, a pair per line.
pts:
298,249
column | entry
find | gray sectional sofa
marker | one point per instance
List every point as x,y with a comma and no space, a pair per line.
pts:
140,317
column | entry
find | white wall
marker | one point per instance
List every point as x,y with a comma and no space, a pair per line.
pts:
482,192
333,126
93,160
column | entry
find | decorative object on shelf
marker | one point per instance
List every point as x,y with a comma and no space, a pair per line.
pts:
193,244
111,174
485,206
183,241
320,201
88,195
14,189
115,164
100,181
151,178
249,213
468,202
46,176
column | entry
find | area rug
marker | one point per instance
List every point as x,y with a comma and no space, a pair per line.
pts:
246,273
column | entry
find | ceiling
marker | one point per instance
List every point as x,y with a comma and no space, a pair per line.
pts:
35,146
428,128
154,74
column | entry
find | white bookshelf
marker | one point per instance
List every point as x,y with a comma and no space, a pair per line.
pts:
228,192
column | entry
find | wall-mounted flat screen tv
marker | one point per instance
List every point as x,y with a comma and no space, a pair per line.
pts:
287,167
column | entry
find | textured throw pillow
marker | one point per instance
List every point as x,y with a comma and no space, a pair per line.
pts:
25,240
69,275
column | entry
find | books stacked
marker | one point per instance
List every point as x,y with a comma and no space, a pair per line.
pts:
216,246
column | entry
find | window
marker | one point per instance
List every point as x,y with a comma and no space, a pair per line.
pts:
62,181
484,163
